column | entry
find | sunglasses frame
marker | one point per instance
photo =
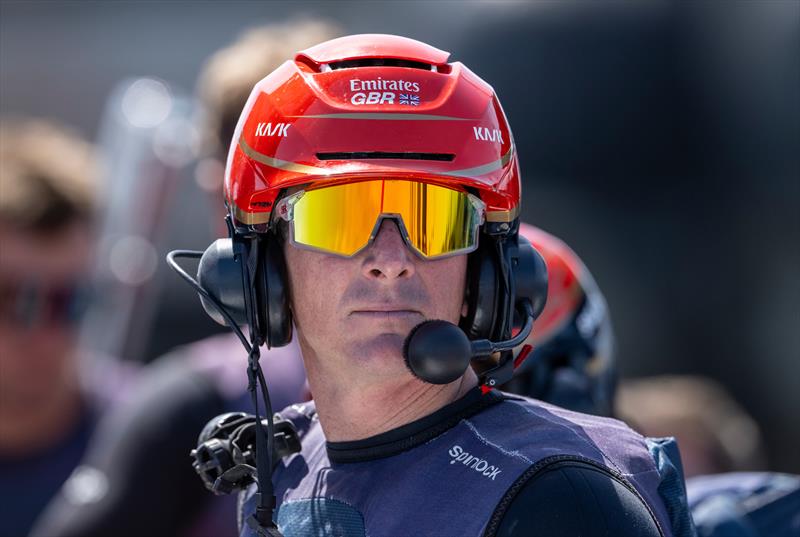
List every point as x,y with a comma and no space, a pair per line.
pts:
285,211
33,304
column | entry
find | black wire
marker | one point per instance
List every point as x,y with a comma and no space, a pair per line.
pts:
264,450
270,418
194,254
508,307
527,328
264,482
255,376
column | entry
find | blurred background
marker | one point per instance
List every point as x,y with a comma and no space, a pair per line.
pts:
661,141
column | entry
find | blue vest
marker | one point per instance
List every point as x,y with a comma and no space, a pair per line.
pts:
449,478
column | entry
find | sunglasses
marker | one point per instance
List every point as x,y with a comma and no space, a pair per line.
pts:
35,303
434,221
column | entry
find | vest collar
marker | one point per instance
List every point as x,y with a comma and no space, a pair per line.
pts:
415,433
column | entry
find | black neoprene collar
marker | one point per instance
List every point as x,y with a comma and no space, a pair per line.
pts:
415,433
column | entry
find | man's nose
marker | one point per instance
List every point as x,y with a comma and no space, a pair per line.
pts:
388,257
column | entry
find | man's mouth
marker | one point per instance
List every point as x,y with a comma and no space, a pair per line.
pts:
385,312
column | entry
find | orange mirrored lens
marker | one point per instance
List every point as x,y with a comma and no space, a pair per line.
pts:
337,219
341,219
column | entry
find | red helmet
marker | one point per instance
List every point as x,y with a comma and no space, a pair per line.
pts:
566,278
362,108
572,364
371,105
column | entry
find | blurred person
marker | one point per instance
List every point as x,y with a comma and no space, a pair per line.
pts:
745,504
722,451
181,391
48,408
715,433
572,363
225,83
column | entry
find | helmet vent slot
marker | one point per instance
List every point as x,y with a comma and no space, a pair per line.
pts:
380,62
366,155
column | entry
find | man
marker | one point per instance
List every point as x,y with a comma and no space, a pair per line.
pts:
47,410
383,181
572,363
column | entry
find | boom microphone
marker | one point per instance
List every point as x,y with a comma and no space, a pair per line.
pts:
439,352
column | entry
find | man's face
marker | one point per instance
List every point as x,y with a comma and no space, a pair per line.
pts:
37,340
357,311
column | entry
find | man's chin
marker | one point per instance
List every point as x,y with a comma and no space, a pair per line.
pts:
383,351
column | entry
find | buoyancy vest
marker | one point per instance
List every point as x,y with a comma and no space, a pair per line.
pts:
447,474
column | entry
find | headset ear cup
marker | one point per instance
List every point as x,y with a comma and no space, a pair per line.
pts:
274,299
221,275
529,273
482,294
530,276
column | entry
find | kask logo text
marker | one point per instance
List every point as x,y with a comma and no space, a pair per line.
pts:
267,129
485,134
472,462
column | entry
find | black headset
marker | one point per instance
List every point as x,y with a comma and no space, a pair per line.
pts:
247,274
504,270
506,287
241,282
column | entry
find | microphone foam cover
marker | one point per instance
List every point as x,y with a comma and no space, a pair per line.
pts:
437,352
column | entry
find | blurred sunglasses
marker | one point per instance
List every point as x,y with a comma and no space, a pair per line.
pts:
434,221
34,303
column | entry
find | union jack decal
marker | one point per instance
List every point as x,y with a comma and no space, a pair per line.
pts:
407,98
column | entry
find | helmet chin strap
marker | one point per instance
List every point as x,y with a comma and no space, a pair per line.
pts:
261,522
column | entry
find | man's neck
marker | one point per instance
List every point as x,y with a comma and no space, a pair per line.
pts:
354,412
